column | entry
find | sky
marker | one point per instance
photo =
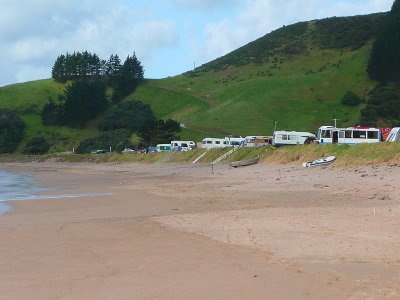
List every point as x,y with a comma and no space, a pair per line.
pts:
169,37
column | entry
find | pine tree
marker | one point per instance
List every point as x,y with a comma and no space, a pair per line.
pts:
128,79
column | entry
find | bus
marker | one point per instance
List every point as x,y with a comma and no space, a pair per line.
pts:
350,135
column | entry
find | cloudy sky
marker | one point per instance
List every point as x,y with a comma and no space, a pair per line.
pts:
169,37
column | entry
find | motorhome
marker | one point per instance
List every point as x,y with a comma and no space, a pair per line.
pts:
283,138
394,135
257,140
349,135
210,143
183,145
235,141
163,147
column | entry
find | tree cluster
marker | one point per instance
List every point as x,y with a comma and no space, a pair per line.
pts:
86,96
11,130
82,101
383,105
384,62
122,77
37,145
384,66
127,119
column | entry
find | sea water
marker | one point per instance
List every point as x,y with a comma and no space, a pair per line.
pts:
16,186
20,186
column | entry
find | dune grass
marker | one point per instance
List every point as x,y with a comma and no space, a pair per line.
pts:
346,156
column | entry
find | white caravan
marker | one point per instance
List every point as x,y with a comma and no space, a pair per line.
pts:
183,145
210,143
283,138
235,141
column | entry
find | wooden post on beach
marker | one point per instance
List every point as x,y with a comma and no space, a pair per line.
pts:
212,169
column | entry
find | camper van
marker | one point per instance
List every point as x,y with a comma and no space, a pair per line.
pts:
182,145
349,135
283,138
235,141
210,143
257,140
163,147
394,135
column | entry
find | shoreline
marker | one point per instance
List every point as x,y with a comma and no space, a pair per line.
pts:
179,231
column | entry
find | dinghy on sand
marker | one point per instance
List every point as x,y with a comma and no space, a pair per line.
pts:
320,162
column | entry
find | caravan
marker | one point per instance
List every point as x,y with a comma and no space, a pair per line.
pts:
210,143
235,141
257,140
182,145
282,138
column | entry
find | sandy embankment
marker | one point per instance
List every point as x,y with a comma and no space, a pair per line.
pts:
180,232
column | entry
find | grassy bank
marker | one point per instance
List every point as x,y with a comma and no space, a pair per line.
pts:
364,154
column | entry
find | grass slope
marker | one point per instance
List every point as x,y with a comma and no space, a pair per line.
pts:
294,76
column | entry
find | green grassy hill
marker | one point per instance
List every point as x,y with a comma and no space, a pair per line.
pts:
294,76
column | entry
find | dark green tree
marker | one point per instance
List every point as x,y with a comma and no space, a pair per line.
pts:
112,67
53,113
384,63
112,138
131,115
11,130
84,100
383,105
160,132
128,78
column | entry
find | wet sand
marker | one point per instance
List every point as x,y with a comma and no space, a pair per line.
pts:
180,232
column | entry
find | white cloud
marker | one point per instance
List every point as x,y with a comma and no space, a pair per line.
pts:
205,5
34,33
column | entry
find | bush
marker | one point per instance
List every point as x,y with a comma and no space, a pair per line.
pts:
11,130
350,99
106,140
37,145
132,115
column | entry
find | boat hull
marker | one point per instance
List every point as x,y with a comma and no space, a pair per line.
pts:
320,162
243,163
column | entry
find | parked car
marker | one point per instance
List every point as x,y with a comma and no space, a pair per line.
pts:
98,151
127,151
151,149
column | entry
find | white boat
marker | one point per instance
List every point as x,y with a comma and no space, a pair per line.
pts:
320,162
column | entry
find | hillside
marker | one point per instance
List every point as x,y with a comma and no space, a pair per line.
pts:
294,76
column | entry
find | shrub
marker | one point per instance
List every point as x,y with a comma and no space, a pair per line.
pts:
37,145
350,99
11,130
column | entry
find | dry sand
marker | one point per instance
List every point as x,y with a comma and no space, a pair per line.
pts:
181,232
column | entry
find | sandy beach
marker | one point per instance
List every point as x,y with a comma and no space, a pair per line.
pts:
173,231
